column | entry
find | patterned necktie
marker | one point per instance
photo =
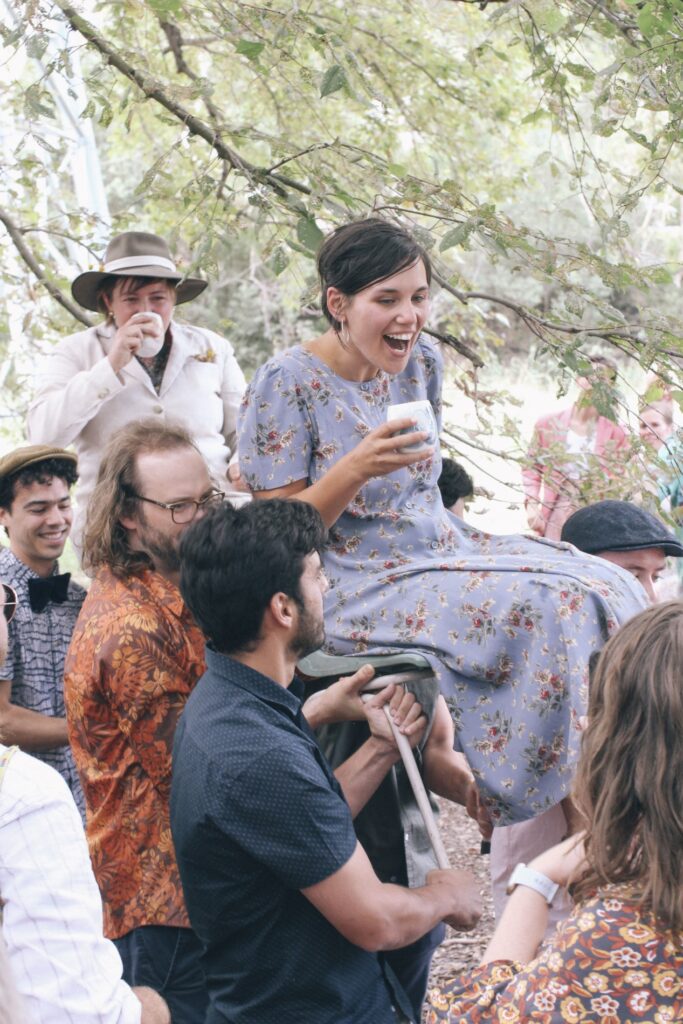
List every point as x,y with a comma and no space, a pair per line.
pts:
42,591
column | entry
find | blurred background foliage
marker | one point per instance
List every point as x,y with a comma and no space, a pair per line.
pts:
534,147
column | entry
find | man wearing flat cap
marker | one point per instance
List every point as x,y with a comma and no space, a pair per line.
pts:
35,510
140,362
626,535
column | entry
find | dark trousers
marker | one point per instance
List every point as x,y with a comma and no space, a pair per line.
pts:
167,960
411,965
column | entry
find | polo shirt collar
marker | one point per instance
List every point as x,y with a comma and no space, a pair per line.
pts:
252,681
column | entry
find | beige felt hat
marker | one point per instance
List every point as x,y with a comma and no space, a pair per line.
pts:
135,254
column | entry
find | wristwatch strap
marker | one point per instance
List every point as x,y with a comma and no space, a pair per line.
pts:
540,883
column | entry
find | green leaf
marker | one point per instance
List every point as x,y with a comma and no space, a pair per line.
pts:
166,6
250,48
36,46
579,70
456,236
647,22
535,115
333,80
550,19
279,260
308,233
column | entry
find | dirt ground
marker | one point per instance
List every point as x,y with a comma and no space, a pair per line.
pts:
463,950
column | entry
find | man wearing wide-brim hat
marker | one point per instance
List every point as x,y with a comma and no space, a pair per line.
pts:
138,362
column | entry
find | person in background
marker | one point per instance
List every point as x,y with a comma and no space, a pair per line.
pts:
619,956
456,486
98,380
633,539
567,449
36,513
626,535
280,891
55,964
656,424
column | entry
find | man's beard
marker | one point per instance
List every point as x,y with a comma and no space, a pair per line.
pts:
309,636
164,551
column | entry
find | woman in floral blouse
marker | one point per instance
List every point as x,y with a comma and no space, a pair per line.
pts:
619,957
507,622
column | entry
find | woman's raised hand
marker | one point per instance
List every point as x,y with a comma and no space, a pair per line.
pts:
382,450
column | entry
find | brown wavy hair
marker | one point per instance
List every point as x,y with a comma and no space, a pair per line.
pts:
105,540
629,784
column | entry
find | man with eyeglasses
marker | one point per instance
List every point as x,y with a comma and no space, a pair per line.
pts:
36,513
135,657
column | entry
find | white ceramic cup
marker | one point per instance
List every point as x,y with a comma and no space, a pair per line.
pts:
423,414
152,333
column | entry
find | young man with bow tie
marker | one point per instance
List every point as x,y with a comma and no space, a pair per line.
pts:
35,510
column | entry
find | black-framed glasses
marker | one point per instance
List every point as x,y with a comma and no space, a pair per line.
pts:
10,605
183,512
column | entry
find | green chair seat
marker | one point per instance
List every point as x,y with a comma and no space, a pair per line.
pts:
322,667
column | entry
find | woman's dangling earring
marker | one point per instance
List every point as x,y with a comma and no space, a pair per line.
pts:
343,333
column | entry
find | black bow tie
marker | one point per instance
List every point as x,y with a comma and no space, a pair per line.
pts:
42,591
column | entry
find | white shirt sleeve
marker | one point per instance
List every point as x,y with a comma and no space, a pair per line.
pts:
63,967
72,384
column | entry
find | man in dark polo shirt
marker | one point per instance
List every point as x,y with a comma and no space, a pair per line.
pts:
279,891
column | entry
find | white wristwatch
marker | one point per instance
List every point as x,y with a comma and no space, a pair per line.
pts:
540,883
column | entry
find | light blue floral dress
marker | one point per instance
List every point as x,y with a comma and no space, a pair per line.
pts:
508,623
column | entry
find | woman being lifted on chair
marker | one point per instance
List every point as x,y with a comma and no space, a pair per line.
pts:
508,623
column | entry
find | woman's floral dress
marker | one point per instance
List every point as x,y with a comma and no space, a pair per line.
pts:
608,963
508,623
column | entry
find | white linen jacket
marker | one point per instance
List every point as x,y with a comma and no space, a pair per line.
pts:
80,401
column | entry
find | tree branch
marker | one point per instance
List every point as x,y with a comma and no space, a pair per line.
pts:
455,343
16,234
153,89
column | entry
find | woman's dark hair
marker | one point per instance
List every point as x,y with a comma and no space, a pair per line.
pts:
234,560
359,254
629,785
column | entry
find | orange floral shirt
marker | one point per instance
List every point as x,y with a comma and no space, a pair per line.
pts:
134,659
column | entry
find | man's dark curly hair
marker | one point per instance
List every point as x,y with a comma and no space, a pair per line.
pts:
234,560
37,473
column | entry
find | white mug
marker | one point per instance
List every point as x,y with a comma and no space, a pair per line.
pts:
152,334
423,414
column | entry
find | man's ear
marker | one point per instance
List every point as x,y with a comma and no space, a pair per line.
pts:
128,522
5,518
282,609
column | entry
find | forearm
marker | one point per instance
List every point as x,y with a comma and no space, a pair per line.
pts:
405,915
360,775
447,774
330,495
521,927
30,730
154,1008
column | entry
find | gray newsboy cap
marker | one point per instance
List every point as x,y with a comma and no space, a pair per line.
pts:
618,526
